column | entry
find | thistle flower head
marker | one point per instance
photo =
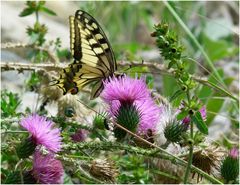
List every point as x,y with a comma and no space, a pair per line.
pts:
130,104
46,169
234,153
104,169
166,116
230,167
80,135
149,116
208,159
43,132
124,89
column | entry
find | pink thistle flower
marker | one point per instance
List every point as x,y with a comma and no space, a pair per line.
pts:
133,92
80,135
43,132
47,169
149,116
234,153
124,89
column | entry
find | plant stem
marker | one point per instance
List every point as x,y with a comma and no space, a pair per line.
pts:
14,132
190,156
174,159
37,17
188,31
155,153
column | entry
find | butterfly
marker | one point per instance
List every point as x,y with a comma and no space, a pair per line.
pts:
94,60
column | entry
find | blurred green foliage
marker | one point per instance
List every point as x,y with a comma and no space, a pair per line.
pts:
133,170
33,81
34,7
9,103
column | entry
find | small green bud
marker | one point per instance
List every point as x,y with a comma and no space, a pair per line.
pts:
100,121
184,87
69,111
191,112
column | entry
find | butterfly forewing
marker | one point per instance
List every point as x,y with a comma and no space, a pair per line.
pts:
94,58
91,34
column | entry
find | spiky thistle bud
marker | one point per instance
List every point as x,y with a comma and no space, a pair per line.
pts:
26,148
230,166
17,178
80,135
100,121
174,131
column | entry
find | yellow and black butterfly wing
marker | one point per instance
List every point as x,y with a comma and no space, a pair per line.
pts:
86,37
94,58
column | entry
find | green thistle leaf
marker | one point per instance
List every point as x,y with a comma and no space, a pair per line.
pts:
176,94
48,11
26,12
197,119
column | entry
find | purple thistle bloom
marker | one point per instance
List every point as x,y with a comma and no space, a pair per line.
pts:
47,169
234,153
119,91
124,89
149,116
43,132
80,135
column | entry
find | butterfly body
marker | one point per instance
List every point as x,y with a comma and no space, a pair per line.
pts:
94,59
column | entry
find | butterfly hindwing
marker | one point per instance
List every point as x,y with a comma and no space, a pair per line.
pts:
93,56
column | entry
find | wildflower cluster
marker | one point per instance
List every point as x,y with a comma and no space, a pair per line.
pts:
97,149
46,169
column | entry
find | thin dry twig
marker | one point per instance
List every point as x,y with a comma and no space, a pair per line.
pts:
155,68
9,66
10,45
